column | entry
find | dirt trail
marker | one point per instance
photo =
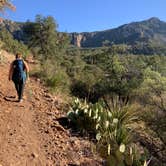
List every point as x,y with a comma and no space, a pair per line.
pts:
30,133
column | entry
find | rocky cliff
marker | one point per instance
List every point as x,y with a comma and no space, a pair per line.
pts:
153,30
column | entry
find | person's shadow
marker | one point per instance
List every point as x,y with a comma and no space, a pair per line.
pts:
10,98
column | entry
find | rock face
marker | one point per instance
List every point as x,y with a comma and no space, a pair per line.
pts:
77,39
15,28
153,30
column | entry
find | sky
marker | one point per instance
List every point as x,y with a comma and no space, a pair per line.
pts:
88,15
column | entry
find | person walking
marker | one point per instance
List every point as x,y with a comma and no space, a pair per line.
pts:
18,73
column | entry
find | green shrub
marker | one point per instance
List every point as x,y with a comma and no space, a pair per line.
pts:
53,75
11,45
58,81
112,129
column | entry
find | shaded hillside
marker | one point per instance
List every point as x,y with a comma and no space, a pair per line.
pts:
145,37
151,30
15,28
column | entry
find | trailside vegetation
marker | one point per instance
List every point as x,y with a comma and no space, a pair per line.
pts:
120,95
12,45
119,99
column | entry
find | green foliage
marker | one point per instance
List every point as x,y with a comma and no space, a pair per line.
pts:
110,74
121,76
54,76
106,43
81,115
87,80
156,63
59,81
112,129
106,74
44,36
145,37
154,89
50,48
12,45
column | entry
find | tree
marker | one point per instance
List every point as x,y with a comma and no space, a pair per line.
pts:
157,63
122,75
12,45
153,89
84,85
50,47
44,36
119,48
6,3
106,43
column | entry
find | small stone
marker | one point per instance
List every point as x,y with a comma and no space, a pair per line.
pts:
46,131
38,79
59,128
48,95
34,155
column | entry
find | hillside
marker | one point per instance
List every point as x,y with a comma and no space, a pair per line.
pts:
38,131
15,28
151,30
30,132
141,35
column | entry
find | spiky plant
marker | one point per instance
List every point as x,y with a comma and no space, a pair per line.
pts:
112,128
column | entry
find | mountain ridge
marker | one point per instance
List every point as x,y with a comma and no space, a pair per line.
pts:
152,31
107,29
141,31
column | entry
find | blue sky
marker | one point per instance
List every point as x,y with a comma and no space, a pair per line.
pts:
89,15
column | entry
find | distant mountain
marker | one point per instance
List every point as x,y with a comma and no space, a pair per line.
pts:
152,30
145,37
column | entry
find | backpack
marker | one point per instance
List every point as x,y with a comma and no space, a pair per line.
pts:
18,70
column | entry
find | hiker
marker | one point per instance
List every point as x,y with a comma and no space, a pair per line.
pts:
18,73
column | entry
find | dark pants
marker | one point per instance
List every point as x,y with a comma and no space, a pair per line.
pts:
19,85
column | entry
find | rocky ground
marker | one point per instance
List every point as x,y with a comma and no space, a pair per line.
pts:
31,133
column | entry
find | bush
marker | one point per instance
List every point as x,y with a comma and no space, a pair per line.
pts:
58,81
11,45
112,129
53,75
